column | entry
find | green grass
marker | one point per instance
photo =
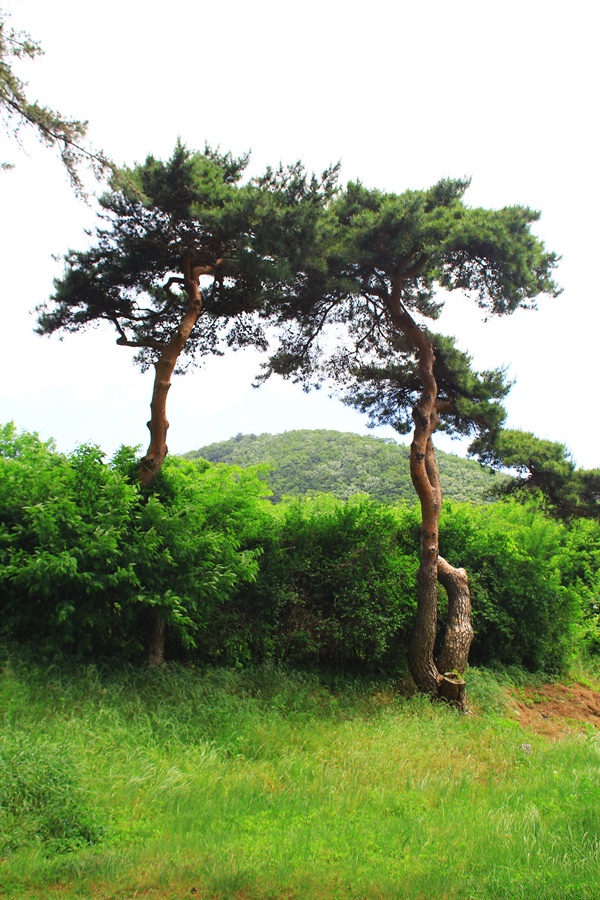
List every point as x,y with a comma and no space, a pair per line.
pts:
272,784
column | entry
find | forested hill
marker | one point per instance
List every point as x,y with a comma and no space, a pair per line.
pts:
341,463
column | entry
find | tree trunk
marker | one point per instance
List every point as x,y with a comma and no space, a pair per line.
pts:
156,642
453,691
425,479
459,631
158,425
428,676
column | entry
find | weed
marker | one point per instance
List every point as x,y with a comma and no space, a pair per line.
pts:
267,783
41,801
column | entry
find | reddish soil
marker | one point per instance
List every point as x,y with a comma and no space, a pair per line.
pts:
556,709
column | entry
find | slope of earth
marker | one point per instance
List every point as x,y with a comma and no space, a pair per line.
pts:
555,710
342,463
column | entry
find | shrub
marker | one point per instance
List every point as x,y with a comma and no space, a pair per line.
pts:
337,583
84,554
523,611
86,557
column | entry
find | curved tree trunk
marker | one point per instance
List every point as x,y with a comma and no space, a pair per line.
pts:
459,631
151,464
426,482
434,679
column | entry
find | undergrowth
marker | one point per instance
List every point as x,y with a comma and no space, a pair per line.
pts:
266,783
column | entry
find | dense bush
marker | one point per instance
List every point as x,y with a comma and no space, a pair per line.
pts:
86,557
579,565
65,536
525,611
337,581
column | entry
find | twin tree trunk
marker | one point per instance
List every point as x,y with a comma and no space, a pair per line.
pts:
441,677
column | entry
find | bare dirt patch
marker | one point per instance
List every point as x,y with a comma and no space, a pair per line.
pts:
556,709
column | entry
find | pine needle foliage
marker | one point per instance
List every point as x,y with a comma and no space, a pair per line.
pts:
18,112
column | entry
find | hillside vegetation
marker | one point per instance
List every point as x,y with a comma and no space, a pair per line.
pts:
341,463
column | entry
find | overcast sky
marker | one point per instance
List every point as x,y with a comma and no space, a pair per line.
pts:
403,94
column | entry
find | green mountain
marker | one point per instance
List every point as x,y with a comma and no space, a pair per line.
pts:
341,463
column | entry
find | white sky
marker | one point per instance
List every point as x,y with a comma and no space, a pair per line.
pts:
404,94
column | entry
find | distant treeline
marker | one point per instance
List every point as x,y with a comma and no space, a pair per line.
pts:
87,558
343,464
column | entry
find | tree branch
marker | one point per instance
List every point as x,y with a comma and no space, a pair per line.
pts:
124,341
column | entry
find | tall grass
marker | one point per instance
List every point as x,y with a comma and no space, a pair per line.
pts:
271,784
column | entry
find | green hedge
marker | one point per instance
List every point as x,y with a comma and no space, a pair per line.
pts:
85,556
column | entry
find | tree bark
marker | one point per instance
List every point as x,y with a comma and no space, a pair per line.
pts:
426,482
156,642
151,463
158,425
453,691
459,631
430,677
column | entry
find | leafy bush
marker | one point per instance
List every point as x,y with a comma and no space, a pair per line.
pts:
86,558
579,565
65,544
84,555
524,612
337,582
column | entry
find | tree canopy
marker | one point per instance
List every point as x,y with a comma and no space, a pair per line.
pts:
17,111
544,467
388,256
186,254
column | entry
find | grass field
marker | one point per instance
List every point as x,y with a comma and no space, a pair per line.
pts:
270,784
